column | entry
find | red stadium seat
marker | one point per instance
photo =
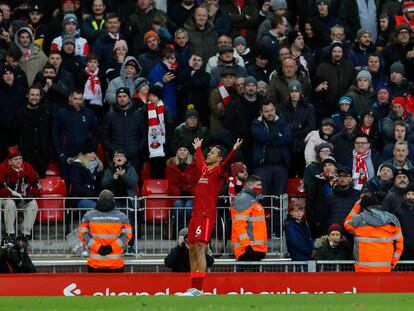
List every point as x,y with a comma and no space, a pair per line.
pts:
52,187
53,168
156,209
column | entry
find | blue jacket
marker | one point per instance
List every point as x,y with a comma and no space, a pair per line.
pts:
71,128
298,239
269,140
340,203
155,75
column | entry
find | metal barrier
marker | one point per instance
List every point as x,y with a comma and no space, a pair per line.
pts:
156,225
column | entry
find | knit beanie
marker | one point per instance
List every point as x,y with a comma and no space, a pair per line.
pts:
321,146
364,74
239,41
70,18
408,6
279,4
150,34
388,165
292,36
121,43
295,85
335,227
250,79
345,100
236,167
362,32
140,82
157,91
397,67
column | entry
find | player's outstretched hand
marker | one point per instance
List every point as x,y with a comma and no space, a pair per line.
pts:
197,143
237,144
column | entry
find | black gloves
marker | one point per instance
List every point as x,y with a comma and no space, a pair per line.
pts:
105,250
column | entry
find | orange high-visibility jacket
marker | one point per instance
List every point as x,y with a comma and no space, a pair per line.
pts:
100,227
378,238
249,223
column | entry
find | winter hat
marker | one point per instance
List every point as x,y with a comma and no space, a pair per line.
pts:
150,34
262,83
329,160
35,7
335,227
388,165
7,68
362,32
321,146
293,35
132,63
239,41
383,86
62,2
120,43
279,4
328,121
345,100
369,112
345,170
408,6
225,48
397,67
410,188
236,167
140,82
364,74
70,18
88,147
68,39
250,79
399,100
227,72
156,90
327,2
13,151
295,85
403,27
351,114
122,90
402,171
191,113
334,44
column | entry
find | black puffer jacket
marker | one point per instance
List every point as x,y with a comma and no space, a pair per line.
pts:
124,129
324,251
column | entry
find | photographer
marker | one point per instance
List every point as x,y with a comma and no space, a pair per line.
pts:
14,257
178,259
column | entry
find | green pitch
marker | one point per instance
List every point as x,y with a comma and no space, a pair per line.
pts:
361,302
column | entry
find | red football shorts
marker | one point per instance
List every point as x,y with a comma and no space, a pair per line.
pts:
200,230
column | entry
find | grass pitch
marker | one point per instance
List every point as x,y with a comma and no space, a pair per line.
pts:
397,302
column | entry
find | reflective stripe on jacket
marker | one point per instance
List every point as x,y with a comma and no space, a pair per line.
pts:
378,239
105,228
249,223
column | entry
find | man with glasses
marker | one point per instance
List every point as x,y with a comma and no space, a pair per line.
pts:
363,160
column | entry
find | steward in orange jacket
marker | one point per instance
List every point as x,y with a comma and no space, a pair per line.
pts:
249,233
105,231
378,237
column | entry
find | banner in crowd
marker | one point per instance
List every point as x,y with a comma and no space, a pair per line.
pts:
215,284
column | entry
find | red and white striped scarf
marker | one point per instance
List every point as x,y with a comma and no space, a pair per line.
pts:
92,90
224,94
361,170
156,129
233,182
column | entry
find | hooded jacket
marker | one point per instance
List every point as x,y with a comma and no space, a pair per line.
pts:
122,81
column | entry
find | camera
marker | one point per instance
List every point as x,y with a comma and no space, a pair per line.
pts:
119,167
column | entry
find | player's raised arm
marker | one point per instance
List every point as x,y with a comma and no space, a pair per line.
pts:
197,143
237,144
199,154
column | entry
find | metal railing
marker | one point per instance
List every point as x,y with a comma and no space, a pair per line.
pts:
155,225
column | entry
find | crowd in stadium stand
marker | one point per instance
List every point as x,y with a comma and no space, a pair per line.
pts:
115,91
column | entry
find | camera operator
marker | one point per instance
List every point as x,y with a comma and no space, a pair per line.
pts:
14,257
178,259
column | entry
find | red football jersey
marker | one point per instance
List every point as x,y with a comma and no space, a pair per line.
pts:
209,185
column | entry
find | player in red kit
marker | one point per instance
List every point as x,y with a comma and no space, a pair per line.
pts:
203,216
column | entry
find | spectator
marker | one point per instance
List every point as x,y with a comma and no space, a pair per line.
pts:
316,203
141,93
105,241
382,103
277,10
363,160
405,215
298,236
345,105
105,43
375,65
18,181
398,84
151,54
334,76
246,108
122,8
32,131
182,47
12,58
186,132
72,126
33,58
397,113
139,22
219,17
337,34
159,25
378,237
407,14
362,93
178,258
343,141
70,25
262,88
258,68
316,137
220,98
395,195
371,127
333,246
301,118
179,12
70,61
313,34
164,73
94,26
278,85
85,176
400,158
223,40
382,183
114,64
342,198
240,45
181,173
322,151
249,232
36,23
130,70
124,128
191,89
202,34
400,133
325,16
300,53
363,48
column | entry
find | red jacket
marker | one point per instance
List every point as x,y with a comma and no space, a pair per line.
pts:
181,181
24,181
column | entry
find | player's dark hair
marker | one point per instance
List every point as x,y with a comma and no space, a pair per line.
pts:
222,151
